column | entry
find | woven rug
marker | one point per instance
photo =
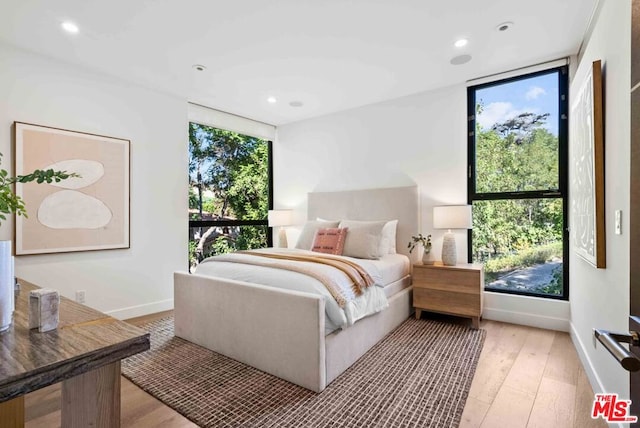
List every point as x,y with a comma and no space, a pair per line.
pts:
417,376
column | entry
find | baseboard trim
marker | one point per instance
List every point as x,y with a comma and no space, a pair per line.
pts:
532,320
592,375
594,379
141,310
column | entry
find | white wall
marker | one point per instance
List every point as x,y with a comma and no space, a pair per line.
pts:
127,282
600,297
401,142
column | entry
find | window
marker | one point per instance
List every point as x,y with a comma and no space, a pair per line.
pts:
230,192
518,183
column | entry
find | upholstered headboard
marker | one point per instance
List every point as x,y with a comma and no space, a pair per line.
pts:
392,203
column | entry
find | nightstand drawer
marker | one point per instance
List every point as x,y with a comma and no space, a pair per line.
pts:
447,301
436,278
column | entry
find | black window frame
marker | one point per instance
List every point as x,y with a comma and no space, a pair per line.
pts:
563,169
226,223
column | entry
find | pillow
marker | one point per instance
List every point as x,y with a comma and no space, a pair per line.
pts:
329,240
363,239
305,240
388,241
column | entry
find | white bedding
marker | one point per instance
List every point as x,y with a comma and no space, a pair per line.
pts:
383,271
392,267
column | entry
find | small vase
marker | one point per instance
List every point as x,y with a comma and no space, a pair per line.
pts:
426,257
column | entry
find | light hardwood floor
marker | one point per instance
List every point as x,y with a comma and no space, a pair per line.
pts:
526,377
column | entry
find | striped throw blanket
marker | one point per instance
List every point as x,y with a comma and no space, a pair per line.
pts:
357,278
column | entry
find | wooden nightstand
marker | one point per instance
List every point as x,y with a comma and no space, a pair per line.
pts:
453,290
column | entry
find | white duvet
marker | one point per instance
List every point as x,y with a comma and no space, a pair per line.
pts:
371,301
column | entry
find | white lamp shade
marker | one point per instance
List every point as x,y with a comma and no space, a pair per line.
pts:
452,217
277,218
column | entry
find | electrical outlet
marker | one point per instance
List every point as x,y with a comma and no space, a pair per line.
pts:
80,296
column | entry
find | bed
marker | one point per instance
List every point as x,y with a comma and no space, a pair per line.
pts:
283,331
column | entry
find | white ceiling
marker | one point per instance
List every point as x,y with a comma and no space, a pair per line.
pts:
330,54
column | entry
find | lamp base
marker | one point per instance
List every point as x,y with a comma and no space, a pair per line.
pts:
282,238
449,252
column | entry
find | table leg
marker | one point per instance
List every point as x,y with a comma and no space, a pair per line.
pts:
418,313
12,413
92,398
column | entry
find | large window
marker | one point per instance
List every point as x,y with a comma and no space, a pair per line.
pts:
518,183
230,192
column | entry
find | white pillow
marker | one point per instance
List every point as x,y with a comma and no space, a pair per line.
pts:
388,241
363,238
305,240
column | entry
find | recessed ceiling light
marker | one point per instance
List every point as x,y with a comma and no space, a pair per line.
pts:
70,27
460,43
272,100
460,59
199,67
504,26
296,103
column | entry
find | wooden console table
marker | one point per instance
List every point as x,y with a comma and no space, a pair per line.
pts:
84,352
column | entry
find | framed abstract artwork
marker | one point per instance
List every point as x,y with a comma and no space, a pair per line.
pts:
88,212
587,169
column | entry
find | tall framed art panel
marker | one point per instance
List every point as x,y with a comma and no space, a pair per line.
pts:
587,163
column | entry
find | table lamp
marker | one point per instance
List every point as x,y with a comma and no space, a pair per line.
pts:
280,218
451,217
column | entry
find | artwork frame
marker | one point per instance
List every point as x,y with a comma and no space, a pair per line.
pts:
587,168
86,213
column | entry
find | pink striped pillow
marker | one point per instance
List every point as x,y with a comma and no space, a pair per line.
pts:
329,240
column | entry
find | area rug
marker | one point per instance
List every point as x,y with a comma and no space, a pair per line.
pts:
417,376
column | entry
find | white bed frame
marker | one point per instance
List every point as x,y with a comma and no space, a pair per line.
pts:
282,332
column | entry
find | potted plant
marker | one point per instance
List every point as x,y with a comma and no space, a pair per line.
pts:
425,242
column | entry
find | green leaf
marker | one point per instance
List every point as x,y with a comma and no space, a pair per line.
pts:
11,203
